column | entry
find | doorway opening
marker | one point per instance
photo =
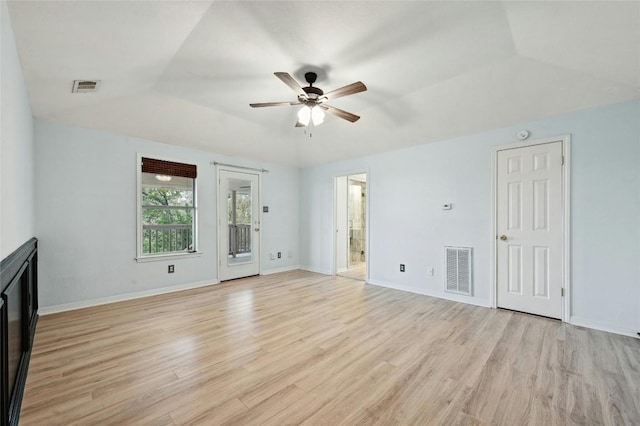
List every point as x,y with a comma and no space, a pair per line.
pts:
351,226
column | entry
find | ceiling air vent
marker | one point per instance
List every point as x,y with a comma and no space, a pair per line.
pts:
85,86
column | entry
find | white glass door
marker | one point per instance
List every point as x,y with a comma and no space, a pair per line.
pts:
238,224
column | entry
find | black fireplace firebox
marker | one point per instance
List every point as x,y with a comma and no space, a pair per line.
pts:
18,317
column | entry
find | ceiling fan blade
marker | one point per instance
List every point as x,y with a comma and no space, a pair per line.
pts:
350,89
291,82
340,113
270,104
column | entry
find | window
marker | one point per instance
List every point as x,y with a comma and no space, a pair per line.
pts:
167,210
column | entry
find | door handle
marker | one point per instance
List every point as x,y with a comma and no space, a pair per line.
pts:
503,237
256,229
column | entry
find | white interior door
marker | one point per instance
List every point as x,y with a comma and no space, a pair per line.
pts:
530,229
238,224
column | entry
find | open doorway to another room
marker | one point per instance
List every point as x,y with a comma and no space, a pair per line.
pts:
351,226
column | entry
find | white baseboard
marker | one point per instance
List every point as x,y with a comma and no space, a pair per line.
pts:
453,297
597,325
47,310
316,270
278,270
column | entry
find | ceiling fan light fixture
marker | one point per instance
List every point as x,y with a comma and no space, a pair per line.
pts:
304,115
308,114
317,115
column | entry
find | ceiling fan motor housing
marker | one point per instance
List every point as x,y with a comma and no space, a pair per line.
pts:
313,92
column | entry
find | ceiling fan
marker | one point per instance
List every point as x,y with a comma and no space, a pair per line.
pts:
313,99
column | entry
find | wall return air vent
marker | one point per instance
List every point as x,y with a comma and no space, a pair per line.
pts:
458,264
85,86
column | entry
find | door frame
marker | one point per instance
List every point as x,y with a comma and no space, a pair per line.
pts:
334,261
220,245
566,218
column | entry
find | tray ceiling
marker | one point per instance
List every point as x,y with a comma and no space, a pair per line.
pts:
184,72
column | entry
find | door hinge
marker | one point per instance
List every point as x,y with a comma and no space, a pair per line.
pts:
562,292
562,160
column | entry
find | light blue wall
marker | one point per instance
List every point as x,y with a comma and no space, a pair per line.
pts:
407,225
86,216
16,146
85,199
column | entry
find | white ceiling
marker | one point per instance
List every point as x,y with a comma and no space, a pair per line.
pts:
184,72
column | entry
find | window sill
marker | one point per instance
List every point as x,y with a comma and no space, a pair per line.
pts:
160,257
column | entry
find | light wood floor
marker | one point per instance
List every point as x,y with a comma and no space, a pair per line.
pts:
357,272
303,348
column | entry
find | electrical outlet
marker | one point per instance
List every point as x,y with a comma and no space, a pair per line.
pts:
402,267
171,269
279,255
430,270
272,256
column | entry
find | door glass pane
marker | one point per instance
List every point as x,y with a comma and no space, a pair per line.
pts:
239,221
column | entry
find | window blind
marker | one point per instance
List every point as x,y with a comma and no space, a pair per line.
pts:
169,168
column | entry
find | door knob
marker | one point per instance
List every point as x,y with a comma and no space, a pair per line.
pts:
256,229
503,237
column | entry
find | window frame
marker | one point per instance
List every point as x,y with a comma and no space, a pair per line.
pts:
140,256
